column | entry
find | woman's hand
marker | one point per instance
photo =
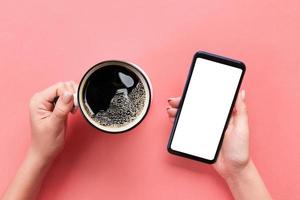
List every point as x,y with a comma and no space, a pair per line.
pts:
234,154
48,124
234,163
48,119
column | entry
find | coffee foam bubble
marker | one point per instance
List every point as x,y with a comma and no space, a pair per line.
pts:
123,109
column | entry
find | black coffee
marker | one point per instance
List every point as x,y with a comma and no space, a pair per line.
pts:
114,96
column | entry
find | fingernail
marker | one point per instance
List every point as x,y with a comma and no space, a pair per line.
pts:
67,97
243,94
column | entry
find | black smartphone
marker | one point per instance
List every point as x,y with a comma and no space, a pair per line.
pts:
206,104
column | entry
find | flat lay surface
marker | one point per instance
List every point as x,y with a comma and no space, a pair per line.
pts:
42,43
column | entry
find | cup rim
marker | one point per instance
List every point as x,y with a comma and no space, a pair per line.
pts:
122,63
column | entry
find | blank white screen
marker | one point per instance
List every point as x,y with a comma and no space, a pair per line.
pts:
205,109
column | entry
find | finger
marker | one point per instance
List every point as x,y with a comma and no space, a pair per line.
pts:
171,112
172,119
231,120
241,115
174,102
240,105
70,86
62,108
75,103
53,91
75,89
74,85
46,97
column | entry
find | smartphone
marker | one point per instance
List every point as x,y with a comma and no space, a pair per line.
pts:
206,104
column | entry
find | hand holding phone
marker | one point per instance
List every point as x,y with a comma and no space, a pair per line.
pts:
234,154
234,163
205,107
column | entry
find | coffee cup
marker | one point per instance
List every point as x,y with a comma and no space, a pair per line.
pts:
114,96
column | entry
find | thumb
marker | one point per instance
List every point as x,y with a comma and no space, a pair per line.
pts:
62,108
241,117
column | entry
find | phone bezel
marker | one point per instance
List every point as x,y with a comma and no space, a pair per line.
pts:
219,59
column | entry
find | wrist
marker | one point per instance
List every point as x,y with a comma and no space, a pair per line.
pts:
37,159
243,172
247,184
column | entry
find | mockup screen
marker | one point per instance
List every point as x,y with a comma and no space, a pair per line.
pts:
205,109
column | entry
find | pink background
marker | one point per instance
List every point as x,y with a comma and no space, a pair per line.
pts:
45,42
